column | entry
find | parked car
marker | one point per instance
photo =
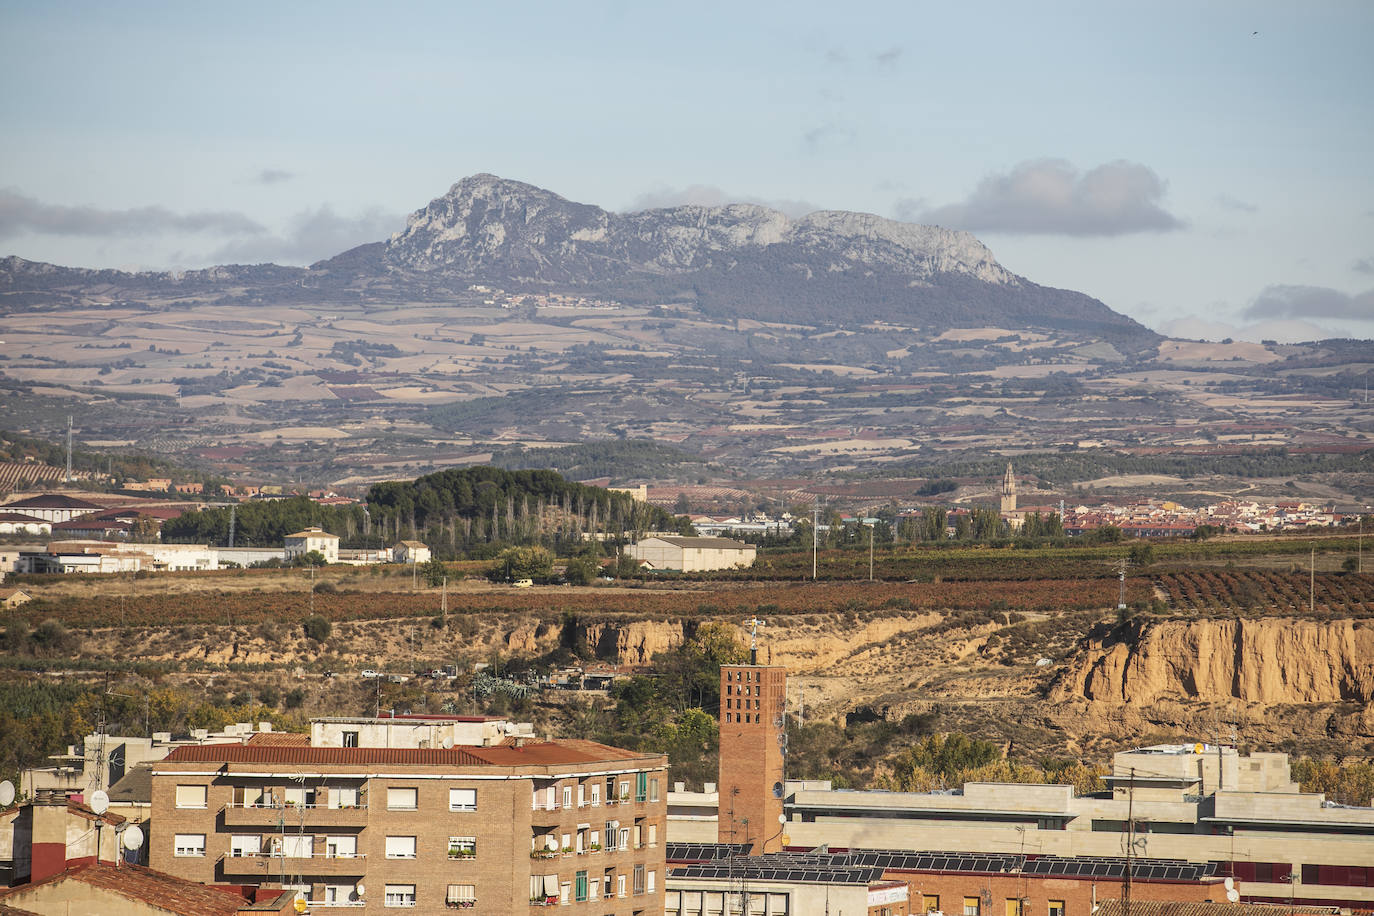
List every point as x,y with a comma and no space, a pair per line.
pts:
368,674
524,583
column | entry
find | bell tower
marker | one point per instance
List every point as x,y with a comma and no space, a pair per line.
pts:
753,705
1008,491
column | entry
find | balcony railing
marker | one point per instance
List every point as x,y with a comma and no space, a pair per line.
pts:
320,863
267,815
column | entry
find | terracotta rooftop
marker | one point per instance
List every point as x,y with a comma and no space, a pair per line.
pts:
534,754
136,883
279,739
1178,908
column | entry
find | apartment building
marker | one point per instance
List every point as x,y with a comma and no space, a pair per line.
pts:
494,828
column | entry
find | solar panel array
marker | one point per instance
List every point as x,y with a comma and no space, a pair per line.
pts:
936,861
750,870
706,852
713,860
1143,869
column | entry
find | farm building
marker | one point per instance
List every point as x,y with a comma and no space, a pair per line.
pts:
692,554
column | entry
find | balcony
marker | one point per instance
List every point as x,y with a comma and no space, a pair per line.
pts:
263,864
310,815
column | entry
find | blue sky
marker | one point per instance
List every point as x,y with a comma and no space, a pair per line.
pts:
1184,162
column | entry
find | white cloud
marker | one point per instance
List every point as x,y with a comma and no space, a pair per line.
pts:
1051,196
312,236
1304,302
20,214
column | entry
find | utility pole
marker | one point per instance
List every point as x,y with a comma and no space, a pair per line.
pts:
870,552
1312,581
815,536
68,478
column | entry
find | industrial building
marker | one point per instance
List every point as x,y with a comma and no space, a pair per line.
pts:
692,554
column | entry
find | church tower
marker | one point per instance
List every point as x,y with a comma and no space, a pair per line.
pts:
1008,491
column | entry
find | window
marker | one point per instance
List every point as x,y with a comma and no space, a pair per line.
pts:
343,798
339,894
340,847
932,903
350,739
653,834
641,786
610,790
1056,908
1013,906
190,796
567,796
580,886
624,838
970,906
624,790
596,794
649,881
638,835
400,847
462,799
565,898
240,846
611,827
581,794
462,847
620,885
189,844
639,879
402,800
298,847
461,895
653,789
400,895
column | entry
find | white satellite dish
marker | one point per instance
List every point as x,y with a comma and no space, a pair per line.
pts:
1233,895
360,889
100,801
6,793
551,843
1229,884
448,742
133,837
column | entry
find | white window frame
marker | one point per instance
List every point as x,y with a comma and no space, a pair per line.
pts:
396,796
567,796
401,847
332,844
462,799
399,896
650,881
457,894
242,845
596,793
192,796
188,846
461,843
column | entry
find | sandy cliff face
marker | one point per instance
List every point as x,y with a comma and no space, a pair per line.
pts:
1270,661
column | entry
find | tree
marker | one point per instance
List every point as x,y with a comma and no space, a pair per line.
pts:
313,558
682,506
522,563
434,572
582,570
317,628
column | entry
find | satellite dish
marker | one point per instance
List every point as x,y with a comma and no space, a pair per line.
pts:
133,837
777,790
1232,896
551,843
782,818
6,793
360,889
100,801
447,742
1229,884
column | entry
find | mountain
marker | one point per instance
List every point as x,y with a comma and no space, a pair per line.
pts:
740,260
829,268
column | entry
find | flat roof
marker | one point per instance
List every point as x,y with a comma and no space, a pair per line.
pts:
531,754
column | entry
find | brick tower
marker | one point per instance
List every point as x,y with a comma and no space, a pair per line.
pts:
752,727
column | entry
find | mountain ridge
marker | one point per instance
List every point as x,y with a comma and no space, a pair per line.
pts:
830,267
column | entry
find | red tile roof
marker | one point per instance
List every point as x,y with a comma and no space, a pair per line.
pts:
279,739
134,882
532,754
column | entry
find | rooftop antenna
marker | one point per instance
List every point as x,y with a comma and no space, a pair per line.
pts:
754,624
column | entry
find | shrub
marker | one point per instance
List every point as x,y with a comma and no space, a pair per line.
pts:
317,628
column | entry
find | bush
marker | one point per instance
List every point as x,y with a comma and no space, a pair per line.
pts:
317,628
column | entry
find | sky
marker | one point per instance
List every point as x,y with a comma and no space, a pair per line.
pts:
1204,167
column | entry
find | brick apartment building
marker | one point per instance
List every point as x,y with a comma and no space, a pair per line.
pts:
497,829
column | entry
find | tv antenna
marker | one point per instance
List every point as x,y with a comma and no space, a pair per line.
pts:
754,623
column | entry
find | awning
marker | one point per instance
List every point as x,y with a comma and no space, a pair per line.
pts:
551,885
